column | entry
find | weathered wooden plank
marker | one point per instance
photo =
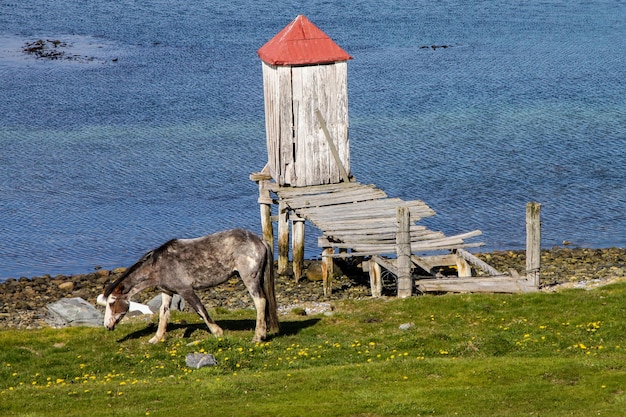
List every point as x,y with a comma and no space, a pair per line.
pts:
376,281
387,252
284,143
334,199
375,238
265,207
418,240
499,284
367,228
386,263
287,192
403,252
328,270
297,247
351,201
478,262
533,242
429,262
331,145
329,190
389,248
283,240
358,212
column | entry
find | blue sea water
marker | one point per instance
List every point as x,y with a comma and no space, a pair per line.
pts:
154,136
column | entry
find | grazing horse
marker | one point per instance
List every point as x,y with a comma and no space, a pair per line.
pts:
182,266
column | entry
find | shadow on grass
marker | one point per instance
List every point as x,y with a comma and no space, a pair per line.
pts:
287,328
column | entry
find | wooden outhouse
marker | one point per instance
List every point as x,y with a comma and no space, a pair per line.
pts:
306,106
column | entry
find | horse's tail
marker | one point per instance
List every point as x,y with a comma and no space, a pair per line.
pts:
271,307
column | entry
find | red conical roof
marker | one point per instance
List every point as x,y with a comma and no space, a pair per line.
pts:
301,43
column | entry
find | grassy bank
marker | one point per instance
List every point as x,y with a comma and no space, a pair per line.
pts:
548,354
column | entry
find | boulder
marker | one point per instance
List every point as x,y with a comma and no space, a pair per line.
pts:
73,312
198,360
176,304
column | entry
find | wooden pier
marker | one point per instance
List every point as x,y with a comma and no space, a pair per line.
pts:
308,178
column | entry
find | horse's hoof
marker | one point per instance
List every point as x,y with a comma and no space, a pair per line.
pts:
156,339
217,331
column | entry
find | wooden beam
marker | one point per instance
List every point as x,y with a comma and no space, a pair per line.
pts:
502,284
533,242
384,251
376,279
297,246
283,239
403,251
328,266
477,262
265,205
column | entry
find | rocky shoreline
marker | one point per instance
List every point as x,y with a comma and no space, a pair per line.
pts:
23,301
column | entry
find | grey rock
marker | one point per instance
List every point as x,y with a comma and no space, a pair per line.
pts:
198,360
73,312
176,304
406,326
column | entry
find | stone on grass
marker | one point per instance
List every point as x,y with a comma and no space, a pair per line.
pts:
406,326
198,360
73,312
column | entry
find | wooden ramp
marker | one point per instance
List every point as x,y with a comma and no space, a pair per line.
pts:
361,220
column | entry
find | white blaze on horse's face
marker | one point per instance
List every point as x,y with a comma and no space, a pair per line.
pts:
116,309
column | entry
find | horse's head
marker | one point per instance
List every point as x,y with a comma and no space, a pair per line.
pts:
117,305
116,296
116,300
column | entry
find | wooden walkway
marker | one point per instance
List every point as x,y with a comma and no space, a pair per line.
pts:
359,220
362,219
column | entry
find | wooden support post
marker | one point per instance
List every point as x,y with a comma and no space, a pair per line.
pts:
265,204
376,279
403,251
297,246
328,267
477,262
283,239
464,270
533,242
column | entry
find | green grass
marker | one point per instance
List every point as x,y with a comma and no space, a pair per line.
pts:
559,354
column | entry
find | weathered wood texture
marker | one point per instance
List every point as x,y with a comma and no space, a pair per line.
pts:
283,238
265,207
361,219
376,279
297,246
328,267
502,284
403,252
533,242
297,143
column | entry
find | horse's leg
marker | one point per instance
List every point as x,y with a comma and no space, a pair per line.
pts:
260,331
258,296
164,316
190,297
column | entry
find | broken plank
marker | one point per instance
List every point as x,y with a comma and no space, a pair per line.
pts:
477,262
498,284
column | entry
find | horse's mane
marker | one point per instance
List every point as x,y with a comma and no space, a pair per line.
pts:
153,255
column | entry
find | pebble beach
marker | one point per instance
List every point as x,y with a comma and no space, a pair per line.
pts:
23,300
